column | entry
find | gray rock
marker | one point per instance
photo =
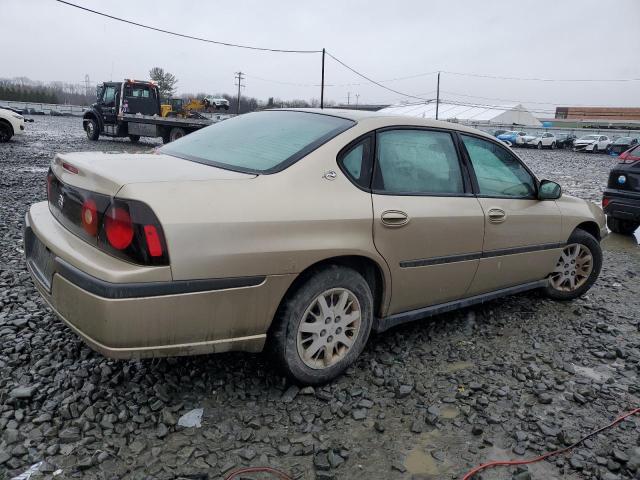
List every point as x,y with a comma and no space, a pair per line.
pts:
23,392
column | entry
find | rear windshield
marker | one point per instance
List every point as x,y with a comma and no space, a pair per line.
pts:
259,142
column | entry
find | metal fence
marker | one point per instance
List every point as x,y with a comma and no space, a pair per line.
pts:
37,108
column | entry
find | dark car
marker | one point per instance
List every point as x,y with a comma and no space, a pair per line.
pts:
621,199
564,140
621,144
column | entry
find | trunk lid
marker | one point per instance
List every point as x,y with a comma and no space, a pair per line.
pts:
106,173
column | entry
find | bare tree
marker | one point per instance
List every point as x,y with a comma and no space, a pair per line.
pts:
166,81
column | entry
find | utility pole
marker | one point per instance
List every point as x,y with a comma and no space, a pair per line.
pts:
357,98
239,77
438,96
348,97
322,84
87,85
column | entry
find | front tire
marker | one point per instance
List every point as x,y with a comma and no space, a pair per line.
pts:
6,132
322,326
539,145
595,149
623,227
577,268
92,129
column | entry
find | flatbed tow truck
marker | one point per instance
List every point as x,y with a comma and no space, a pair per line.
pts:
131,108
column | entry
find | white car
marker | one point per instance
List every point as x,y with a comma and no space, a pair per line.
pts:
11,124
217,103
592,143
540,140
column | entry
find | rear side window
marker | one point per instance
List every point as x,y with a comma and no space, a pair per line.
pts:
259,142
356,163
499,173
417,162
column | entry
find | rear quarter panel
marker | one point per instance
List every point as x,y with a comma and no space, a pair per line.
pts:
268,225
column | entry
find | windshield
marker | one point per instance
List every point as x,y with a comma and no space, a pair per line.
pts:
624,140
590,137
259,142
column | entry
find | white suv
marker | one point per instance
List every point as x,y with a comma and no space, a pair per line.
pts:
11,124
217,103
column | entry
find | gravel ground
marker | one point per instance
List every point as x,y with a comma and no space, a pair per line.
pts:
509,379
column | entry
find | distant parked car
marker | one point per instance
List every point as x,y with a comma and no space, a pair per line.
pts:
565,140
515,138
621,199
540,140
11,124
621,144
591,143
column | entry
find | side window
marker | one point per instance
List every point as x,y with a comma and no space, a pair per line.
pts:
109,95
356,163
418,162
499,173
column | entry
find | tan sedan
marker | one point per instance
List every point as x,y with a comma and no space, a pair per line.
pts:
300,230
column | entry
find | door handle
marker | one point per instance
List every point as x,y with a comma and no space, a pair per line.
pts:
497,215
394,218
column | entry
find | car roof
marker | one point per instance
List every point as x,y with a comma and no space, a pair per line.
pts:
364,116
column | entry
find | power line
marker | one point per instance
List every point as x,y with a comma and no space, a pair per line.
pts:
373,81
227,44
497,77
521,101
296,84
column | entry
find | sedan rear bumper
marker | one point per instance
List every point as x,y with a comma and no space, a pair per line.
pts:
153,319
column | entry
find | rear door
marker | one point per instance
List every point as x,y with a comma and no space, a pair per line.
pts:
522,238
426,222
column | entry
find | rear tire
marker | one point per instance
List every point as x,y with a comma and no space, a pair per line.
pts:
6,132
134,138
577,269
332,306
92,129
623,227
539,145
176,133
553,145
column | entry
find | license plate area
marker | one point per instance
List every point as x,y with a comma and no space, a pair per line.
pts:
40,259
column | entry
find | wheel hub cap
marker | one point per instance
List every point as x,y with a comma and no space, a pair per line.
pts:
573,268
329,327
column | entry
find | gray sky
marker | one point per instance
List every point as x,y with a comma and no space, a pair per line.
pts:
565,39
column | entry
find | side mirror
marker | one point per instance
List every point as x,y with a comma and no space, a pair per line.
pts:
549,190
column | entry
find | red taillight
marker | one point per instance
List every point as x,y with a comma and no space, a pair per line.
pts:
118,228
70,168
605,201
153,241
89,217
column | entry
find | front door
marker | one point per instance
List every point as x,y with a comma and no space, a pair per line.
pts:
108,103
426,222
522,238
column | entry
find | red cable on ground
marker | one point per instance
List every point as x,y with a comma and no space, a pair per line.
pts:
499,463
278,473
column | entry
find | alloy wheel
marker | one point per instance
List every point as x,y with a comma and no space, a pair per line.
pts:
329,327
573,268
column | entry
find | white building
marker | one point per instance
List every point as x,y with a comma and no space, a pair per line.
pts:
514,114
